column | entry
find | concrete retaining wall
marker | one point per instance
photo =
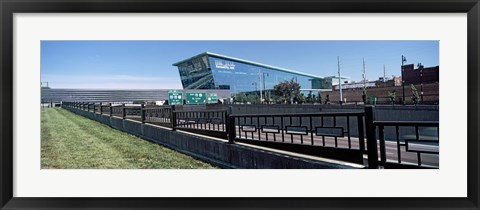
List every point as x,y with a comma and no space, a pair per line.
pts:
216,152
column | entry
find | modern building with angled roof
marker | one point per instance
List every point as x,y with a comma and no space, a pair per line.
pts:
213,71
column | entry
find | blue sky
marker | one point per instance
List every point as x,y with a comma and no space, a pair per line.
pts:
148,64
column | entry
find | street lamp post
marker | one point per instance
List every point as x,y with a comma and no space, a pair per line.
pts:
403,80
421,82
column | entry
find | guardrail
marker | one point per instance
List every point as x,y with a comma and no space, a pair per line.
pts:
347,136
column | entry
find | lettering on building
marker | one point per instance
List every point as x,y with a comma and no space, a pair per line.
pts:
224,65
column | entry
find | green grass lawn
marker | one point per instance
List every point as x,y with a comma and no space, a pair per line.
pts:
70,141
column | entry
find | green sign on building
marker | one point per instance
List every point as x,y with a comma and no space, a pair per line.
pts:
196,98
212,98
175,97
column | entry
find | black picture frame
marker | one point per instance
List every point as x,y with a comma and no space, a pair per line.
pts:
9,7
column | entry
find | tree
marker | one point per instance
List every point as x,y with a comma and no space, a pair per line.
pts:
392,95
241,98
277,99
287,90
319,100
414,94
300,99
252,98
309,97
327,99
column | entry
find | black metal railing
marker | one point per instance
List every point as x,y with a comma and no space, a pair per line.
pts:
415,144
117,110
335,135
325,129
132,113
348,136
159,115
209,122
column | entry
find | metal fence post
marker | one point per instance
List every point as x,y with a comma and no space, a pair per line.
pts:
110,109
361,134
231,129
230,125
94,108
173,118
370,128
124,112
142,112
88,107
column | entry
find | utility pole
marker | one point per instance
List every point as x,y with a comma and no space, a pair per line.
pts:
260,80
384,75
264,87
364,95
403,80
364,78
339,80
256,89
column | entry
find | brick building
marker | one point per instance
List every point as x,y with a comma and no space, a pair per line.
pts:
430,95
420,75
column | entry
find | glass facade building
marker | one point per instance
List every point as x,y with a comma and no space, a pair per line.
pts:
214,71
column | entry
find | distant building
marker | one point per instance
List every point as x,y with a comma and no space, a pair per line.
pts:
420,75
394,81
355,85
213,71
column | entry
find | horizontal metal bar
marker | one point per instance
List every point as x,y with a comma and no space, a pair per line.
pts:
156,108
301,115
191,111
406,123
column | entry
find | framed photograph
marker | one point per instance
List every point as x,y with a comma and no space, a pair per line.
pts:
176,74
